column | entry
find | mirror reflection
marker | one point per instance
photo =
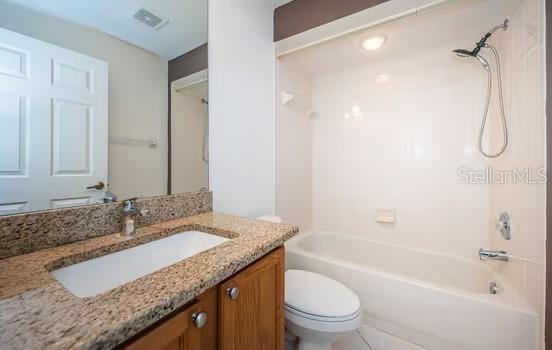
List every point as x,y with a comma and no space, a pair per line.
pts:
190,133
101,101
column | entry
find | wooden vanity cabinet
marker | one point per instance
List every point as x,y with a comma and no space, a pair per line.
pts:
245,312
251,306
180,331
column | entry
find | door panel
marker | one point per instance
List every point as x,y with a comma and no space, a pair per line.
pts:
71,138
12,135
68,76
13,208
69,202
13,62
54,117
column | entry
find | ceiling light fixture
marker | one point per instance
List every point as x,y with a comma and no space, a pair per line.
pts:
383,78
373,43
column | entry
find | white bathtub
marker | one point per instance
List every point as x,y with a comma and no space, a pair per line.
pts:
419,299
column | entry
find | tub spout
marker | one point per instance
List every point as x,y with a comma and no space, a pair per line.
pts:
485,254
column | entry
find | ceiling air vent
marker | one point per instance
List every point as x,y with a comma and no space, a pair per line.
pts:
150,19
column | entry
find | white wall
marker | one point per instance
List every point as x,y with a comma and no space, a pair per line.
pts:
241,109
137,96
293,146
522,53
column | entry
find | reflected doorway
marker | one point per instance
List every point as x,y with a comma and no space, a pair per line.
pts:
190,134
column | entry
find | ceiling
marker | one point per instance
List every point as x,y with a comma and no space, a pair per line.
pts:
278,3
186,29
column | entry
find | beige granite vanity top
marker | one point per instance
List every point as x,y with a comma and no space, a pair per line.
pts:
37,312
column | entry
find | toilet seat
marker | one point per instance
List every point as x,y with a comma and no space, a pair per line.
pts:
293,320
321,318
320,303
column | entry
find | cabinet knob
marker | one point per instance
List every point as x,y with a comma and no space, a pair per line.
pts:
199,319
233,293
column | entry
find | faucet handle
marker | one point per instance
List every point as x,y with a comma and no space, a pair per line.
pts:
130,200
144,212
130,204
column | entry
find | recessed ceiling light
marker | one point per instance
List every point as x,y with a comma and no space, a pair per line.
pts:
373,43
383,78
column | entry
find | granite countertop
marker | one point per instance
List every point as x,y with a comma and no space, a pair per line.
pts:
37,312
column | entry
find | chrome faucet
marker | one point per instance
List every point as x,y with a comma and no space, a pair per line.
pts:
130,213
485,254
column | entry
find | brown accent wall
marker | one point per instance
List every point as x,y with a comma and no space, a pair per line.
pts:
301,15
191,62
548,320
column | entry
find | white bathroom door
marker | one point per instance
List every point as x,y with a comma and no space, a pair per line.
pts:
53,125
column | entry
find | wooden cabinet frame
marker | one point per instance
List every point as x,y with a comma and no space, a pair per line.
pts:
252,320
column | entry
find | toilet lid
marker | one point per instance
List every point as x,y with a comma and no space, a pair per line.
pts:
318,295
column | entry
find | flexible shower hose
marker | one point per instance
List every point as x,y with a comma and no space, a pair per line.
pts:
502,113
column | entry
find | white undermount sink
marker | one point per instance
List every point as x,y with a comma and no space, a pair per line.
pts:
98,275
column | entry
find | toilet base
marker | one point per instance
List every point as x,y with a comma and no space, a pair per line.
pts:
307,345
310,339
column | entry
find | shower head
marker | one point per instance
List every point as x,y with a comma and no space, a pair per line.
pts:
463,53
483,62
474,54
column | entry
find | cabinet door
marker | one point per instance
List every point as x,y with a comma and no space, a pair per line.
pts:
252,316
181,332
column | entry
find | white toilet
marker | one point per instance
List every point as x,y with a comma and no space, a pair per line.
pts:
319,310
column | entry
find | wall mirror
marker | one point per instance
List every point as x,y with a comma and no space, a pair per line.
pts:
101,99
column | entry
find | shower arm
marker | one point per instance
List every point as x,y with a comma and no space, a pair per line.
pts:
481,44
503,25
